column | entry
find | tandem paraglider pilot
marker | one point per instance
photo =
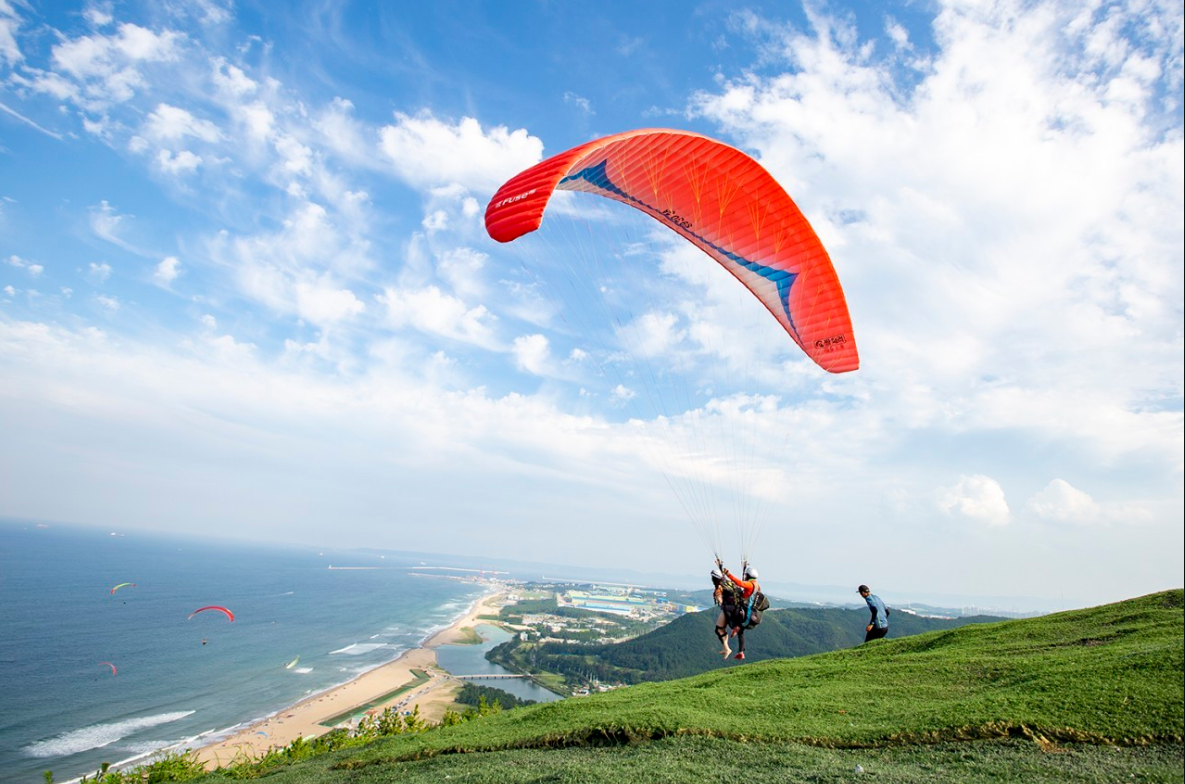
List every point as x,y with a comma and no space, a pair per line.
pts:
878,623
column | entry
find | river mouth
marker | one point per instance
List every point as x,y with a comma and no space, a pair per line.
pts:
471,660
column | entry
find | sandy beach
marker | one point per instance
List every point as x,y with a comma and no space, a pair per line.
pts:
390,685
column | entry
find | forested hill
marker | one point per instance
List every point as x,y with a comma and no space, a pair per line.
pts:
688,646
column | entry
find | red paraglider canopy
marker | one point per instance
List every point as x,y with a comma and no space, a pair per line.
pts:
228,613
718,198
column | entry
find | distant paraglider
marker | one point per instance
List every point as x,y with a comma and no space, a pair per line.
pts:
223,610
109,664
292,663
122,585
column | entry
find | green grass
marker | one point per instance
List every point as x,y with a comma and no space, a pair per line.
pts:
1084,696
1109,675
682,760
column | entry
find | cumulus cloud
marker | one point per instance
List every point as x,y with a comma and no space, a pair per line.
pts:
977,498
104,69
433,311
427,152
172,123
34,270
652,334
1062,502
322,304
177,163
231,79
532,353
300,269
1005,212
166,271
99,271
622,393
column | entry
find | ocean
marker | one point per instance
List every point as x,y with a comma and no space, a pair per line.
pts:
90,676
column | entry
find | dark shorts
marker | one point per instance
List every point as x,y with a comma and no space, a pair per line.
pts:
876,633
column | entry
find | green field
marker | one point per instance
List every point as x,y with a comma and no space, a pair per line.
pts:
1084,696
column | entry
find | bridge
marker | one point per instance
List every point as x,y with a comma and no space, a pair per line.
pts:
491,675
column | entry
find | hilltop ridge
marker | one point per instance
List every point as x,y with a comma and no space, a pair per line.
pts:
1099,687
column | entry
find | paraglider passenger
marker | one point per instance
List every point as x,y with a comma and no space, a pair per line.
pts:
726,596
740,616
878,623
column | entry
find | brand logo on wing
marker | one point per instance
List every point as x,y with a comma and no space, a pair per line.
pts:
513,199
832,343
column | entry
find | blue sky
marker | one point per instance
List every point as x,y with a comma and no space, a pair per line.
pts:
245,289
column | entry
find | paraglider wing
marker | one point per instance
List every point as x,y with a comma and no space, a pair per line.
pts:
718,198
228,613
122,585
109,664
292,663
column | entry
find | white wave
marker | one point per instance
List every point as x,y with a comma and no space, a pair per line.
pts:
96,736
357,650
303,670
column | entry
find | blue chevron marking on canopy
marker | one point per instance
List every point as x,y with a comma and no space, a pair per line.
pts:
598,176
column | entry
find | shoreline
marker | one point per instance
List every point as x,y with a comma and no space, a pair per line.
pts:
392,684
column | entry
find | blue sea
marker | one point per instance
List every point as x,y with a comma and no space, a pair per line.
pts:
88,676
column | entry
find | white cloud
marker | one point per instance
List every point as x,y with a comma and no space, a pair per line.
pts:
104,69
179,163
433,311
1062,502
106,223
977,498
623,393
99,272
231,79
167,271
427,152
172,123
461,268
34,270
10,52
580,102
652,334
323,304
98,14
295,158
1006,215
437,220
532,353
109,303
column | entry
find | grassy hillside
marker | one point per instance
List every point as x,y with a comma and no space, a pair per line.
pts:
1087,695
687,646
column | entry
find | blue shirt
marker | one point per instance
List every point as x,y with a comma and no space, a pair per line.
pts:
880,617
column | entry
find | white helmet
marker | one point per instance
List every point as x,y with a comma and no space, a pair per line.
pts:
750,573
716,575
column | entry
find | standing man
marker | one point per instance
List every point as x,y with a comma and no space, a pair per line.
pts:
878,624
